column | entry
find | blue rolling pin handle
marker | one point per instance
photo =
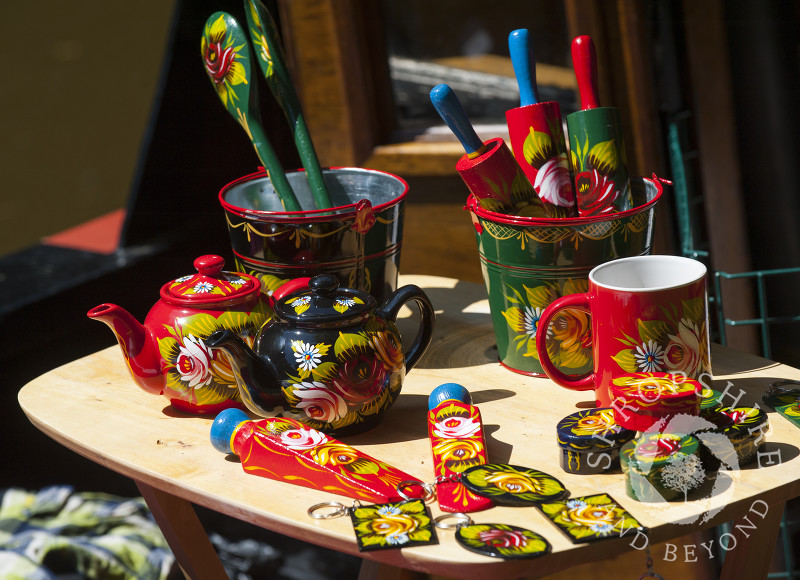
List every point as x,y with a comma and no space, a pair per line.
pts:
521,51
453,114
448,392
223,427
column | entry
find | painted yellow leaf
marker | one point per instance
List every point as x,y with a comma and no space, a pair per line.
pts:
604,157
626,360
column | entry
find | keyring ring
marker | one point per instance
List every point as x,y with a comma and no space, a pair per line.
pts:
461,520
428,491
338,510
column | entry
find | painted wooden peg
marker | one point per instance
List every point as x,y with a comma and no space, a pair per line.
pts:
488,168
455,431
597,148
285,450
227,60
537,135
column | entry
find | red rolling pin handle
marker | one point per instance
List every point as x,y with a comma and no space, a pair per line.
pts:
584,60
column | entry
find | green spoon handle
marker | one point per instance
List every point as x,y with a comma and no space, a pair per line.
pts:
274,169
264,35
226,56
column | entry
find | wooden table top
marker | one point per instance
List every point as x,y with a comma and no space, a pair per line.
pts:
92,406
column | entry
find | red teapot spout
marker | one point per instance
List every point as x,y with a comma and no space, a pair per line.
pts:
137,344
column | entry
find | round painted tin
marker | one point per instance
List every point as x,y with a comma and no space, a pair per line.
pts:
747,433
590,441
662,466
642,399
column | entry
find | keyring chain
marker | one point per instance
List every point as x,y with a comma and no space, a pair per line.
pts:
462,519
428,490
339,509
650,573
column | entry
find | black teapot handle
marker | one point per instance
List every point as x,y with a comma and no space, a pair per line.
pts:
391,308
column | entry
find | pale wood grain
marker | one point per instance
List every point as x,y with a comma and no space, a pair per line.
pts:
92,406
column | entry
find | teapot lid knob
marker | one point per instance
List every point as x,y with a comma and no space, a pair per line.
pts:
324,285
209,265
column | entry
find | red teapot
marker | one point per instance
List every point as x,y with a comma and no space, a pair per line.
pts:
167,355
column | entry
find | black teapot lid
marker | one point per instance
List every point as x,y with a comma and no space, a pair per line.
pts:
324,301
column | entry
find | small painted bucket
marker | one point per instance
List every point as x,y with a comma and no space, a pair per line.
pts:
528,262
358,240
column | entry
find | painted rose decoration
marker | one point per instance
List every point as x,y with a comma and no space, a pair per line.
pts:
336,385
568,339
674,343
194,372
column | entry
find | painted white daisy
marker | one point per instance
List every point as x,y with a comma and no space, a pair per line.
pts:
203,287
307,355
649,357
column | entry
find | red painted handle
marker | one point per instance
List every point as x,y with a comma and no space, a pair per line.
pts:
584,61
577,383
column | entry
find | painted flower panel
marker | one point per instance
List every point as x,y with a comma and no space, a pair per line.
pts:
590,518
393,525
502,541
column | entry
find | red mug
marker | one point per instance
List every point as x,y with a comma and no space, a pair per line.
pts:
648,314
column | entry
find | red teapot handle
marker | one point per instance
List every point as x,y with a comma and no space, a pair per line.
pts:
287,288
390,309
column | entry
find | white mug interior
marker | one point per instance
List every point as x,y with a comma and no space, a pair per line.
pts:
647,273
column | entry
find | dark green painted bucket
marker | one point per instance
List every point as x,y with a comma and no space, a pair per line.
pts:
529,262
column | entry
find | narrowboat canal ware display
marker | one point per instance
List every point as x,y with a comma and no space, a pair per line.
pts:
168,355
494,540
285,450
537,136
487,168
527,263
272,61
590,441
591,518
359,240
227,61
639,400
784,397
395,525
662,466
648,314
597,148
455,431
328,357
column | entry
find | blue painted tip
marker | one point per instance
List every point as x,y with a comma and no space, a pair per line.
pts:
223,427
448,392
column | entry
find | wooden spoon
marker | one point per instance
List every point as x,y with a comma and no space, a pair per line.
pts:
226,57
273,64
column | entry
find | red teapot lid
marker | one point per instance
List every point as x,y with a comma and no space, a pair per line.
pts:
211,285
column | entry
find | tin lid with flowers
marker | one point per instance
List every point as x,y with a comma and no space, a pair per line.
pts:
642,399
746,421
211,286
324,301
591,430
656,449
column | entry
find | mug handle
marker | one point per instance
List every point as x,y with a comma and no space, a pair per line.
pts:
391,308
579,382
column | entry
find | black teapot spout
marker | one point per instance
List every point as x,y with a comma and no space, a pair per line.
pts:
256,377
